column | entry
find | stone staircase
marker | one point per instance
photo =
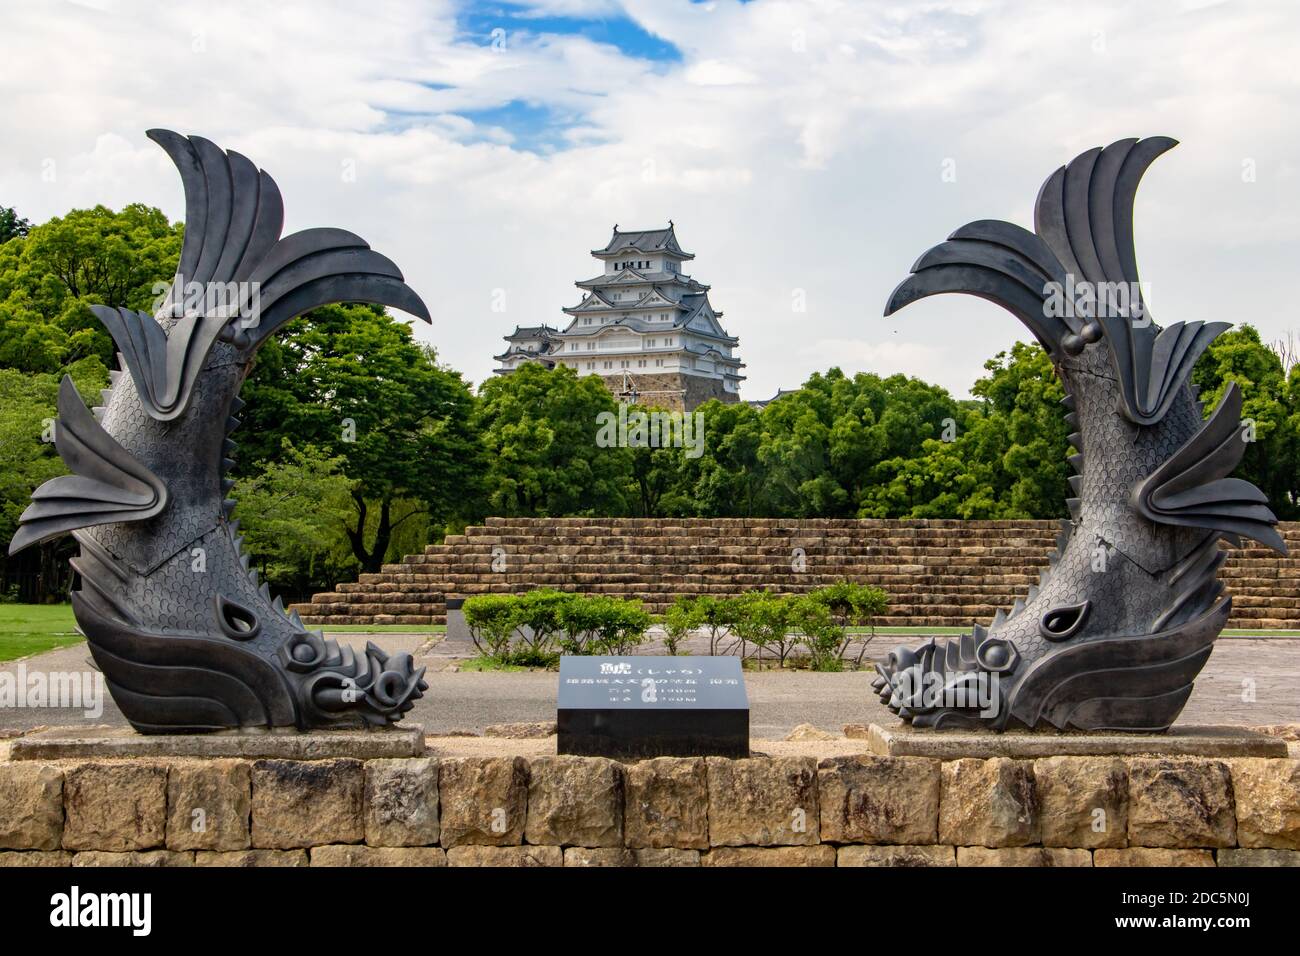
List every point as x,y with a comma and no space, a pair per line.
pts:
938,573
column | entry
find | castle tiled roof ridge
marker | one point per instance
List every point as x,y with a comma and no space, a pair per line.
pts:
643,240
661,276
525,331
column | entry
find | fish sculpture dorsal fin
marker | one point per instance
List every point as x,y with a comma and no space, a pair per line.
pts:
237,279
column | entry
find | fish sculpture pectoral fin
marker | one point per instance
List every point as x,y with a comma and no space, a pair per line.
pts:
107,485
1193,489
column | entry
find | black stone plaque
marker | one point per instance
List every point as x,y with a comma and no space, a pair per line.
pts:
630,707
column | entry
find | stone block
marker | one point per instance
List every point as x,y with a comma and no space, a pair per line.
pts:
763,801
208,805
867,799
575,801
114,806
991,803
1083,801
480,855
305,803
347,854
31,806
1022,856
244,859
1238,857
401,802
798,856
666,857
935,855
1151,856
151,859
1181,803
484,800
666,803
36,858
1267,796
599,856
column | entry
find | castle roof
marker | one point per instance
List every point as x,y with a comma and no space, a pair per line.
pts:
645,240
531,332
633,277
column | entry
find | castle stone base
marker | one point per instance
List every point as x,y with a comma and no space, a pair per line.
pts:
672,390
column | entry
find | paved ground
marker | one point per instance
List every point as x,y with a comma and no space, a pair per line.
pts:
1248,681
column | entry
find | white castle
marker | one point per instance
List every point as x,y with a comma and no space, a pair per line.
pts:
645,327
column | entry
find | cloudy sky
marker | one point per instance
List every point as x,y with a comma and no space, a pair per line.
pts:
807,151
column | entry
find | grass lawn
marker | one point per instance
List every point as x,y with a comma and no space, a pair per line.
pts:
27,629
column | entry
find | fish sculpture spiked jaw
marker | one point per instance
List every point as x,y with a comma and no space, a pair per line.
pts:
186,637
1126,614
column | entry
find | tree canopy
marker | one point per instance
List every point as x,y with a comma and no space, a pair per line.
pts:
359,445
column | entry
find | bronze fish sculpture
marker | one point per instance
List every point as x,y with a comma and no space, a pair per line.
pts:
186,638
1125,616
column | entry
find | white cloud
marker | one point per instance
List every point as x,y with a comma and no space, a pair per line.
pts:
796,145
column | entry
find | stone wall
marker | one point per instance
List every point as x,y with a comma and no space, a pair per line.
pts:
446,809
938,573
672,390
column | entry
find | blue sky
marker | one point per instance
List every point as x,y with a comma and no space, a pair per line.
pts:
478,21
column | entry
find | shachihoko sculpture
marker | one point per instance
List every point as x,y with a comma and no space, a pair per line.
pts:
1126,615
174,616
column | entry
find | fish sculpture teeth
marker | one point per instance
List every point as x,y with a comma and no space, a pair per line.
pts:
1127,612
172,612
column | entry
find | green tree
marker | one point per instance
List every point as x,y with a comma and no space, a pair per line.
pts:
729,479
50,277
1005,458
294,513
12,226
538,429
351,381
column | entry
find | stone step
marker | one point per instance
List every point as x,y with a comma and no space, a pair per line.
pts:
937,572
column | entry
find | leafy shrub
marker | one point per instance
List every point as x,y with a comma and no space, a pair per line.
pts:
530,629
811,619
537,618
491,621
681,618
762,619
623,625
851,605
